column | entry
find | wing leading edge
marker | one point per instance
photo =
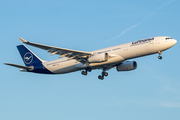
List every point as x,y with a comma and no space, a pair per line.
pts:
80,56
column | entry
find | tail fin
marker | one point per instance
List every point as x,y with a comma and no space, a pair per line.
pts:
28,56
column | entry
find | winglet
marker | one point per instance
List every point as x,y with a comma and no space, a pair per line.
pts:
22,40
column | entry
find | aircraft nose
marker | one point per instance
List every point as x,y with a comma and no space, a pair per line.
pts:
174,41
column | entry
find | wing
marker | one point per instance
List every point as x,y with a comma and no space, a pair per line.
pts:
80,56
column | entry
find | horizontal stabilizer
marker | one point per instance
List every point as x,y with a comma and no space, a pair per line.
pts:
19,66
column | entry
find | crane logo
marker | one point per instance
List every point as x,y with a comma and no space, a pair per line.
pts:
28,57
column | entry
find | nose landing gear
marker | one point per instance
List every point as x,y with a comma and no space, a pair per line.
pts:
160,57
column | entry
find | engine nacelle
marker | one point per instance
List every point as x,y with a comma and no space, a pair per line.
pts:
103,57
126,66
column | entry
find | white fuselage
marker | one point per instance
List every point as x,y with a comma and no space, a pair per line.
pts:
117,54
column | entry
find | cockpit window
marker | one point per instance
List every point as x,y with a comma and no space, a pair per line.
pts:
168,38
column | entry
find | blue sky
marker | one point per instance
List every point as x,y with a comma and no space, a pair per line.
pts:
151,92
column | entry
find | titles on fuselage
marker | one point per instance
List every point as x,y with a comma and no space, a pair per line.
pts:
142,41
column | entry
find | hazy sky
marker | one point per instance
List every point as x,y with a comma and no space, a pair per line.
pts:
151,92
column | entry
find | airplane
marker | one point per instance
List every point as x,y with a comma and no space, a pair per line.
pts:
104,59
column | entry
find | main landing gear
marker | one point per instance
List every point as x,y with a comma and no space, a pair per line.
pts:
86,71
101,77
160,57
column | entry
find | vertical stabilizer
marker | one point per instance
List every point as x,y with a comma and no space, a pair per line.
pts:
28,56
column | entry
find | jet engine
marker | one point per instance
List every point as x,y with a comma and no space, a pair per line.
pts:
126,66
103,57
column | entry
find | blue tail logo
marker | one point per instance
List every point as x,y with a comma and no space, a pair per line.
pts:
28,56
30,59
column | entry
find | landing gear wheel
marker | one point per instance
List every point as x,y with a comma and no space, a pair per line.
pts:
104,74
160,57
89,69
101,77
84,73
